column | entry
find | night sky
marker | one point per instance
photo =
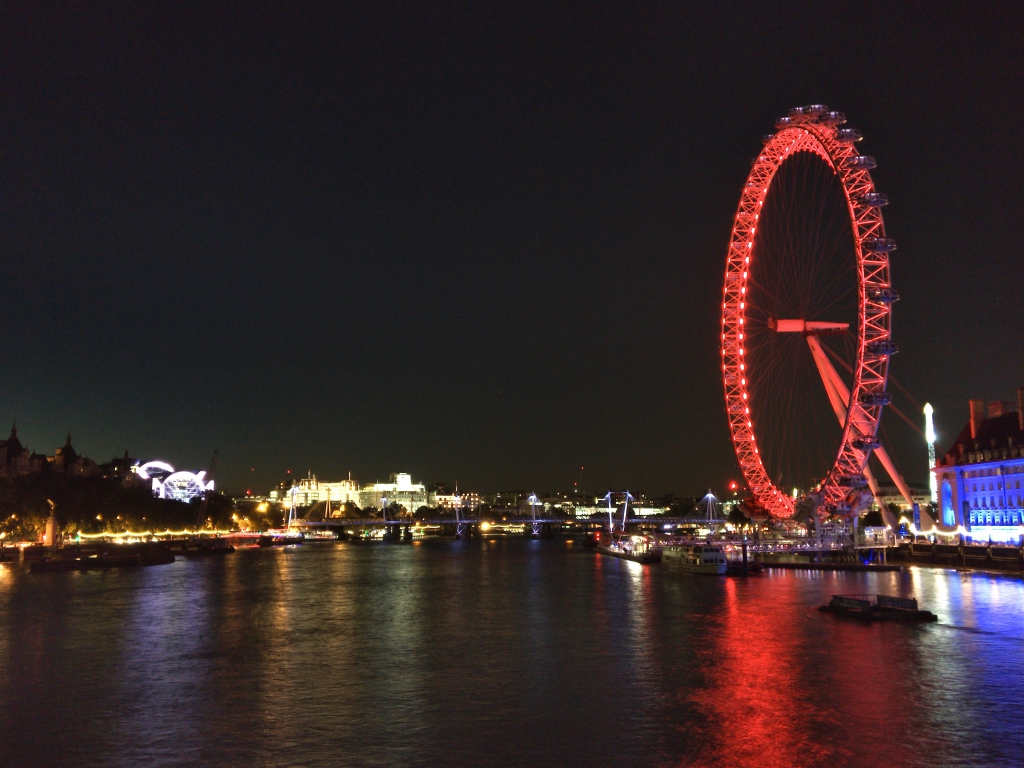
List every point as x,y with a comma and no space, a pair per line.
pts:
481,243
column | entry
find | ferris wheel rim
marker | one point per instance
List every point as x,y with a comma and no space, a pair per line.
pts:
813,130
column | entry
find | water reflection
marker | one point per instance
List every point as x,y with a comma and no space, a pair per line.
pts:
756,694
498,652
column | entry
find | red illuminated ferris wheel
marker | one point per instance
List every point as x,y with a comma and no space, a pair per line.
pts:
806,320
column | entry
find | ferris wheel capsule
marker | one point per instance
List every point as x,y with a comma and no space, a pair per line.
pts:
863,162
866,443
879,244
874,398
879,348
874,199
848,135
883,295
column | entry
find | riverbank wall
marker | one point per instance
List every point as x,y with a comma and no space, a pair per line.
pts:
990,557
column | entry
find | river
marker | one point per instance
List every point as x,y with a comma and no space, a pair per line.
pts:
501,652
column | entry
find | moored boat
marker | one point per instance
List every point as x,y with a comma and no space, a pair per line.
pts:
877,607
695,558
639,549
103,560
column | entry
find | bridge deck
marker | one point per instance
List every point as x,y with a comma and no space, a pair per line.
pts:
335,522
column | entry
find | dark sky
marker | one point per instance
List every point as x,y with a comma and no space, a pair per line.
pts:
479,242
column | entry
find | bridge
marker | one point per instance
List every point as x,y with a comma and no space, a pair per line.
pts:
832,539
468,526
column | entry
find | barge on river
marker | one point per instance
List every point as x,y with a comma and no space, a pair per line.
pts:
877,608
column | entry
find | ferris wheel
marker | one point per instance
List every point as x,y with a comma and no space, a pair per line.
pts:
807,320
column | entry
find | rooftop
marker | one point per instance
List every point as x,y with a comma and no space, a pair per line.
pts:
994,438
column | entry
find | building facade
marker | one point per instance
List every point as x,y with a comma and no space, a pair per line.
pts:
890,495
17,460
980,479
469,501
400,490
309,491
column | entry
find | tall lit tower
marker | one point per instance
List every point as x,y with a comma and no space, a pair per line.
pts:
929,435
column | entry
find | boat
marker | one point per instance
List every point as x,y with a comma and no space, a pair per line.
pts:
639,549
321,536
695,558
739,568
877,608
277,537
103,560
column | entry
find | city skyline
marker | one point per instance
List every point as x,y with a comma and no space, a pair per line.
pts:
464,244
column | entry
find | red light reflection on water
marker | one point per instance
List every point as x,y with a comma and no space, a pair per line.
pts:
783,689
752,682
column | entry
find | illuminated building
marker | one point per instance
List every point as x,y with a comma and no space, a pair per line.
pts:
399,491
980,477
309,491
470,501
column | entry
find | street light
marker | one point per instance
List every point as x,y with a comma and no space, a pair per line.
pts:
929,435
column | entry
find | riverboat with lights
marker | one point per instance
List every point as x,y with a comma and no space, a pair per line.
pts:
695,558
639,549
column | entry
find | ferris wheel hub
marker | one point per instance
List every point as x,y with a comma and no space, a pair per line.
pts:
807,328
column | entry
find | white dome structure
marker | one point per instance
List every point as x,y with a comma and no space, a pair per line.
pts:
170,484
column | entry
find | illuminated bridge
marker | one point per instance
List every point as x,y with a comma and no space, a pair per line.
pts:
543,527
539,526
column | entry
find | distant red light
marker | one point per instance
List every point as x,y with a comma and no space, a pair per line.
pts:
733,486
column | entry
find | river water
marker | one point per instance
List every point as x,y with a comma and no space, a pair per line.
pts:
504,652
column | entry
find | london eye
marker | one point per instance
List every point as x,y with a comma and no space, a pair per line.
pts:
807,320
